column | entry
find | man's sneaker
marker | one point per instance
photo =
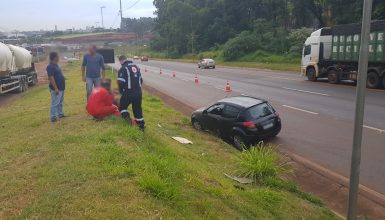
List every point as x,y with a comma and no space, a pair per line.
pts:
62,116
53,120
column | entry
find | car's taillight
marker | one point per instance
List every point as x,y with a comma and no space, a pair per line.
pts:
249,124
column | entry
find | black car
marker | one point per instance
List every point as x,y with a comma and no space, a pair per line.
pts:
245,120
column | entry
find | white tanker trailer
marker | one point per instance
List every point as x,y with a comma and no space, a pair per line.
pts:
17,71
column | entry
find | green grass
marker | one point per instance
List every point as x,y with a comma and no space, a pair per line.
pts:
262,161
82,169
257,60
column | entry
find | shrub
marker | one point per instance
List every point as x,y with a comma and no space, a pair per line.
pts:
261,162
244,43
297,38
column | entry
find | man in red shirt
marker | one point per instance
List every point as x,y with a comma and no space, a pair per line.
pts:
100,104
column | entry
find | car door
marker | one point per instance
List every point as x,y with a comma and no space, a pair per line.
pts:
212,116
229,117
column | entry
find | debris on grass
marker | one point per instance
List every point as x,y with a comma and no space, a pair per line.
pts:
240,179
182,140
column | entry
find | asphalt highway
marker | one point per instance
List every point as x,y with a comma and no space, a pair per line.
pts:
317,117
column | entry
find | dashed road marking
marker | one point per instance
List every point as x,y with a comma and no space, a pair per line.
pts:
305,91
375,129
302,110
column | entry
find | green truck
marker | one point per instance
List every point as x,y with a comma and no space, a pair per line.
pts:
333,53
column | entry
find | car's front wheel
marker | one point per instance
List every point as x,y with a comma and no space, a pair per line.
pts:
239,141
197,125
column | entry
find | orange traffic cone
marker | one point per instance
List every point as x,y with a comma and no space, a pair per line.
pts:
173,74
196,79
228,87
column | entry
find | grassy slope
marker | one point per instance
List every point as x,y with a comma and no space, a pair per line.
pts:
69,36
79,168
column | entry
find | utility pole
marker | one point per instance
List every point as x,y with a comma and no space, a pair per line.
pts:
101,12
360,108
121,11
192,35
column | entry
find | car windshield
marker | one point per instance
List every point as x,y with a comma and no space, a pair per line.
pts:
260,111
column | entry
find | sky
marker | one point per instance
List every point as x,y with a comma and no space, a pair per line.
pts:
27,15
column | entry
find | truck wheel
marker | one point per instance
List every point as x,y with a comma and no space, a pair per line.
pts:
333,77
22,86
383,81
373,81
311,74
34,80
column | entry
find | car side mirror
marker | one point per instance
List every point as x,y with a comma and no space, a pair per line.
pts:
205,112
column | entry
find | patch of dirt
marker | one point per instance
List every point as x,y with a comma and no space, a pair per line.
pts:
329,188
42,73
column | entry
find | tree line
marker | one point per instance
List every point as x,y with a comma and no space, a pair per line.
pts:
241,27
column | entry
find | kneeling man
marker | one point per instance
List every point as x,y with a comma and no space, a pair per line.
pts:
100,104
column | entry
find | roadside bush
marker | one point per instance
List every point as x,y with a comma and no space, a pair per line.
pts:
239,46
261,162
296,39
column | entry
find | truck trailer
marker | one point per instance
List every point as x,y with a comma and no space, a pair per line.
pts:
333,53
17,71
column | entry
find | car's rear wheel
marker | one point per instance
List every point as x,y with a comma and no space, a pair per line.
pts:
197,125
239,141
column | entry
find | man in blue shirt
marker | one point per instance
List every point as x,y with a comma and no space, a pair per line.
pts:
56,87
92,70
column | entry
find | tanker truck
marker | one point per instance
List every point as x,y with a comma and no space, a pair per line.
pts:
333,53
17,71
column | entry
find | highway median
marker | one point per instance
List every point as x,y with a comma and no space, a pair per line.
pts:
80,168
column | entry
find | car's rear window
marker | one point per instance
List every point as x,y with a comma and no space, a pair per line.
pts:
260,111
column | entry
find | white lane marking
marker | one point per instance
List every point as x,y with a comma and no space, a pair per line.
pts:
285,78
305,91
375,129
302,110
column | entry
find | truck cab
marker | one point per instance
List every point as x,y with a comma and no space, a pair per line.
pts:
317,48
333,53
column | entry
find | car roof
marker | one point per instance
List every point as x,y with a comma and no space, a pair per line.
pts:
243,101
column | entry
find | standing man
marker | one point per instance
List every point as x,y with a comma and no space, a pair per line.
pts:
93,70
130,86
56,87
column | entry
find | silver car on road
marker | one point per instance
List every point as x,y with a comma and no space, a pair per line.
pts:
206,64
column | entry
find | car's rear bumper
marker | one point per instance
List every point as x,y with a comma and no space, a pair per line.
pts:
258,136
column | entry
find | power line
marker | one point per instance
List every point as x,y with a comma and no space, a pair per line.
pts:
135,3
